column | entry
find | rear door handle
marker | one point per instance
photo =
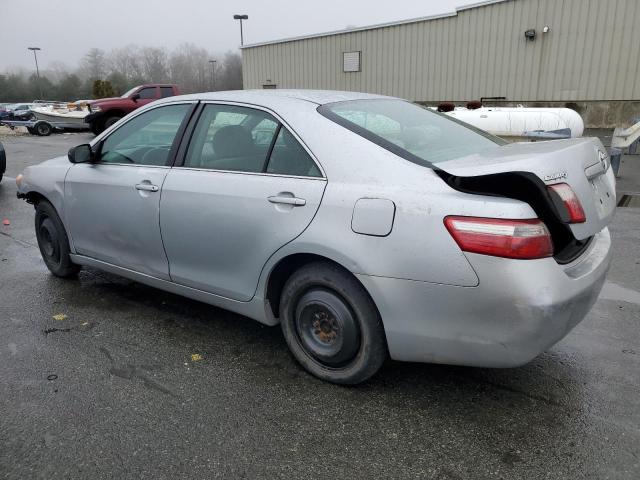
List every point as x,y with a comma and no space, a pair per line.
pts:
295,201
147,187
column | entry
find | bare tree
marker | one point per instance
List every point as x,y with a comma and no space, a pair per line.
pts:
127,61
188,66
231,75
93,65
155,64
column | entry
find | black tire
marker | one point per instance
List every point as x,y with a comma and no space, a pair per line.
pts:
110,120
43,129
53,241
96,127
331,324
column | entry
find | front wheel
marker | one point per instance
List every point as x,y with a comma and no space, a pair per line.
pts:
53,241
111,120
331,325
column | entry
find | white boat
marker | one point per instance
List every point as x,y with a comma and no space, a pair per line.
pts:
522,123
62,117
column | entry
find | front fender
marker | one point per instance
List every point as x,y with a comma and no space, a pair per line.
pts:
46,180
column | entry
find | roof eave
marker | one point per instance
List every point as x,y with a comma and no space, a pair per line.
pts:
373,27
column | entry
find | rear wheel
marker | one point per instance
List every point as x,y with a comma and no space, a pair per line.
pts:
53,241
331,325
43,129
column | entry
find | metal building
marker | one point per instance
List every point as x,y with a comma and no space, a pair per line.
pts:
585,53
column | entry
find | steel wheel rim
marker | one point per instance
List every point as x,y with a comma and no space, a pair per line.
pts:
48,237
326,328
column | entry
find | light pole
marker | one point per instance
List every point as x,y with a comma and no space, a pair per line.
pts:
35,56
213,74
241,17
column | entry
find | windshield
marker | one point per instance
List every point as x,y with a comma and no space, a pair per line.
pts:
413,132
129,93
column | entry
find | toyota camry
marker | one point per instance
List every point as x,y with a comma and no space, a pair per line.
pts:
366,226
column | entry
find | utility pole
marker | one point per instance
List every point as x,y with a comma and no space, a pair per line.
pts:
241,17
213,74
35,56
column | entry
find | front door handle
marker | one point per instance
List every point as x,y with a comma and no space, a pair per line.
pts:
147,187
295,201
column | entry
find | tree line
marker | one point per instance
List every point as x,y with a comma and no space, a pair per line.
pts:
119,69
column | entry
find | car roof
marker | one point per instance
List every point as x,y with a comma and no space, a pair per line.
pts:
270,97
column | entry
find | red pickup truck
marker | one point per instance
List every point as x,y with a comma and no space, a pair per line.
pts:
107,111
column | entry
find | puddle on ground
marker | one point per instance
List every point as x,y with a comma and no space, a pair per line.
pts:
613,291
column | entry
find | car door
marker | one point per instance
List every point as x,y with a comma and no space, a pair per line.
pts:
112,205
245,188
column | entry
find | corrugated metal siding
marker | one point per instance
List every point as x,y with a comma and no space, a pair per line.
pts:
592,52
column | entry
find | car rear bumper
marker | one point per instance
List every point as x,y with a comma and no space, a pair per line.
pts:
519,309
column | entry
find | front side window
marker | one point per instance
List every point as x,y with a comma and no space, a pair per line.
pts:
145,139
232,138
409,130
147,93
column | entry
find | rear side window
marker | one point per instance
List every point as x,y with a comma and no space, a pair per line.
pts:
289,158
410,131
166,92
233,138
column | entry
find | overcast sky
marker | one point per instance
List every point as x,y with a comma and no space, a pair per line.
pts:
66,29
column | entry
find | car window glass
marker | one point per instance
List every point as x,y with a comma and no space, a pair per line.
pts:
378,124
233,138
145,139
146,93
409,130
290,158
166,92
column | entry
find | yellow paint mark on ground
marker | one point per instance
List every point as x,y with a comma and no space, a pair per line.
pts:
59,316
196,357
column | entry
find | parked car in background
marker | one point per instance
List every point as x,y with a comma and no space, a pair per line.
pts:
3,161
365,225
107,111
18,111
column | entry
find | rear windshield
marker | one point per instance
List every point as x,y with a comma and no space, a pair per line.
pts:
413,132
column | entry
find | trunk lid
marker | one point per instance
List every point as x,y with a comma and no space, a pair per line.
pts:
583,163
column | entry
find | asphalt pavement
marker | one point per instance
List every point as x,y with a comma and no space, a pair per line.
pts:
101,377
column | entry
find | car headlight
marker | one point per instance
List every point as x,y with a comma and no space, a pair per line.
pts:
95,108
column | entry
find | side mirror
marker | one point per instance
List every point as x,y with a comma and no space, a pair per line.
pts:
81,154
135,97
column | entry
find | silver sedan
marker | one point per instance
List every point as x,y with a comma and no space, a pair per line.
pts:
366,226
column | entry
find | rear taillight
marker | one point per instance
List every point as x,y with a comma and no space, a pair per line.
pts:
570,201
520,239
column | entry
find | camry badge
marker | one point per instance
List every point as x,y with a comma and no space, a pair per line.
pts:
555,176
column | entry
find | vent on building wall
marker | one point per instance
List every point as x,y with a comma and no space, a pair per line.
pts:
351,61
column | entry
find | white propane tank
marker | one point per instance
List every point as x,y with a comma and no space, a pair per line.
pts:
518,121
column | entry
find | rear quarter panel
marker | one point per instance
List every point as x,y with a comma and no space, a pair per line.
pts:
419,246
